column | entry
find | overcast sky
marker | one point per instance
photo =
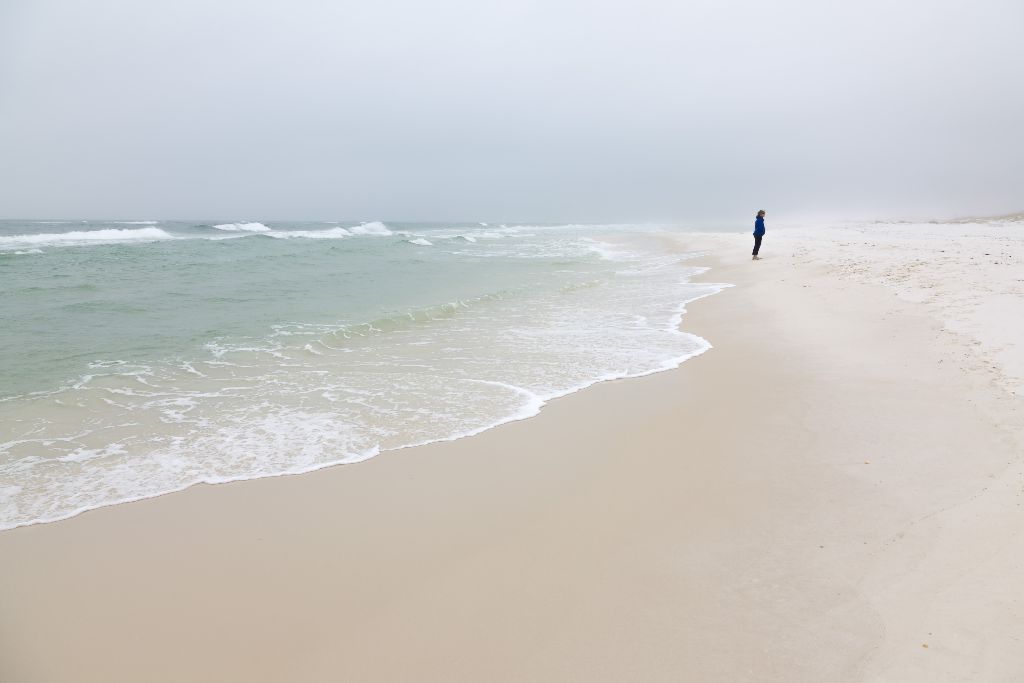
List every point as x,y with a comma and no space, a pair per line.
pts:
510,111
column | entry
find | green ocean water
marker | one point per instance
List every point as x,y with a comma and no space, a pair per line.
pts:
143,357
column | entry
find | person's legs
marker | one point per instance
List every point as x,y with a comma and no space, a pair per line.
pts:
757,244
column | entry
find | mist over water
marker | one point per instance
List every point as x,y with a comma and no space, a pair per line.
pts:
562,110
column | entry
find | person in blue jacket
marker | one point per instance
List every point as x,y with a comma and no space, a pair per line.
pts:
758,233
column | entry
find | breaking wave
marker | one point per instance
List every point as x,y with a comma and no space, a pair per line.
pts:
242,227
79,237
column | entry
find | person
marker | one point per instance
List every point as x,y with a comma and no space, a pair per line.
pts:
758,233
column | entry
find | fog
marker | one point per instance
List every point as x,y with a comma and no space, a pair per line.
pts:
701,112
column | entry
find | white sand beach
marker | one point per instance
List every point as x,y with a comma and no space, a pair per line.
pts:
832,493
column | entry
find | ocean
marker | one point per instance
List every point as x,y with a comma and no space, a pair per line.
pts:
142,357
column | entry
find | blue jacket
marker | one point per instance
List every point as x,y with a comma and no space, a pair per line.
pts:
759,226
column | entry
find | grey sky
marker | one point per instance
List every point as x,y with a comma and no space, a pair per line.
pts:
553,110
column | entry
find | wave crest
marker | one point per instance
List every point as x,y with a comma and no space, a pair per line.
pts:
371,228
79,237
242,227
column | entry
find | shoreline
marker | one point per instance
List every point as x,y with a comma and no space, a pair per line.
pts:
729,519
126,431
531,410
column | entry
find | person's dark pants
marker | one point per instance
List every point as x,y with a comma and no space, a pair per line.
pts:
757,243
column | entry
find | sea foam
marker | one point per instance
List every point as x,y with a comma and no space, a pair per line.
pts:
242,227
330,234
79,237
371,228
375,228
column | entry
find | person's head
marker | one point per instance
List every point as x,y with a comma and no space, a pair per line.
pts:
761,213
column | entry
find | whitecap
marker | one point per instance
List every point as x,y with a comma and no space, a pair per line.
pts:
331,234
371,228
368,229
80,237
242,227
